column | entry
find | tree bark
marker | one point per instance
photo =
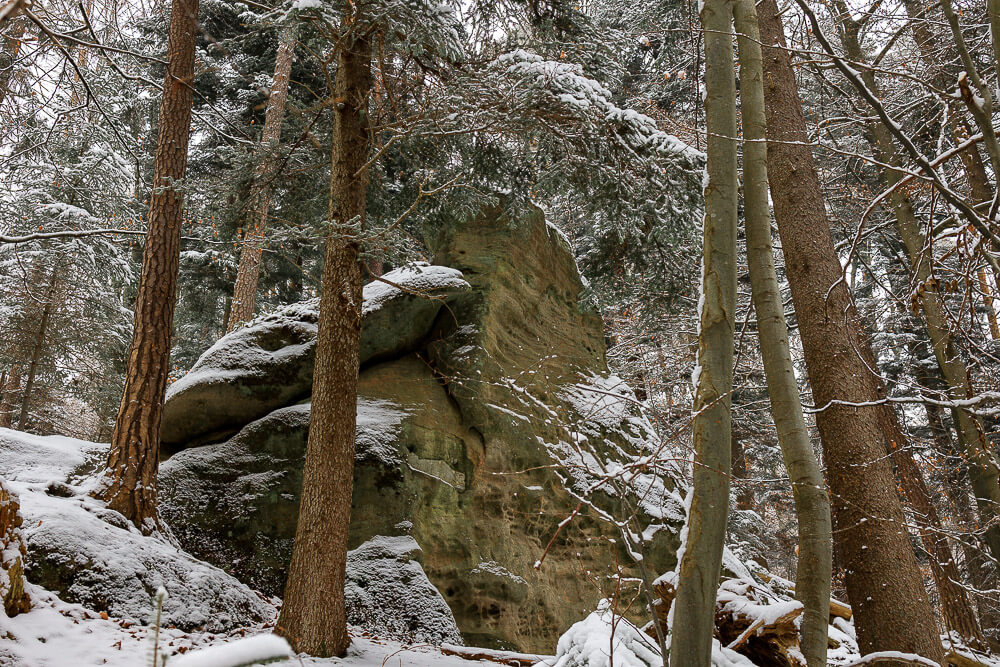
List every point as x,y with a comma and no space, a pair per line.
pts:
248,273
701,562
812,504
36,350
892,611
983,471
313,617
8,56
130,484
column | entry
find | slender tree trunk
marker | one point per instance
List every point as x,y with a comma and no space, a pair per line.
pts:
313,617
701,562
130,484
812,504
248,273
11,386
8,56
956,608
36,350
983,471
883,580
741,472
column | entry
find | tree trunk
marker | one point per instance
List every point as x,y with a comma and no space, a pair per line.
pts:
248,273
892,611
701,562
8,56
130,484
313,617
36,350
956,608
10,387
812,504
983,472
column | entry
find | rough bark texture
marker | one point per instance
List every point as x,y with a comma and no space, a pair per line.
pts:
130,485
12,555
36,349
812,504
701,562
248,273
313,618
982,463
883,581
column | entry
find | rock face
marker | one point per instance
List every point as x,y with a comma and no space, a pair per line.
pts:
477,436
388,594
12,553
260,368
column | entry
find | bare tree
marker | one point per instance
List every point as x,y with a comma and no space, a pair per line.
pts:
248,273
701,562
892,611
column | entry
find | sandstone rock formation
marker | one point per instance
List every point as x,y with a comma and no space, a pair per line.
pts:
482,426
12,552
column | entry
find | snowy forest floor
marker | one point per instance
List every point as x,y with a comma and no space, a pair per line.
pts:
57,633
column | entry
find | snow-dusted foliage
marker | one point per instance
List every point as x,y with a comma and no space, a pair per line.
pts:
389,595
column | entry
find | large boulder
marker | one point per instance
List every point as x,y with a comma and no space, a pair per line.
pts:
477,441
268,363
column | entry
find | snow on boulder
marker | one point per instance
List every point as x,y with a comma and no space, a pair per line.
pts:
268,363
235,503
606,639
389,595
92,556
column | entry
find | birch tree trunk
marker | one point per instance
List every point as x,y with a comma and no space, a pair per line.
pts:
883,580
248,273
130,483
313,618
701,562
812,504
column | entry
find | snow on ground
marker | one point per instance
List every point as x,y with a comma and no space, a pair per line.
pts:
58,634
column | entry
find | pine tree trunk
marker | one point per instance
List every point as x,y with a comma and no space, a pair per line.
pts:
36,350
248,273
884,585
812,504
8,56
10,388
130,484
701,562
983,471
313,618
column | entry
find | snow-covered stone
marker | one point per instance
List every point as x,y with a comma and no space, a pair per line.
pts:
91,555
388,593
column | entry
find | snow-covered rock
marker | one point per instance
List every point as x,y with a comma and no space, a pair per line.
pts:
91,555
388,593
268,363
467,441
